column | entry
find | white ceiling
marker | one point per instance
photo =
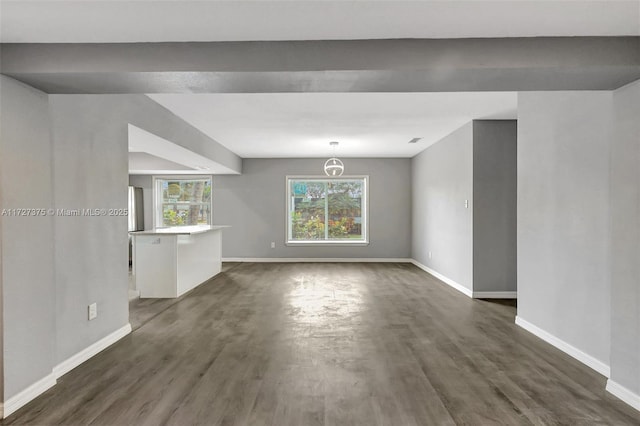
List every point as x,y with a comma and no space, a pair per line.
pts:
25,21
290,125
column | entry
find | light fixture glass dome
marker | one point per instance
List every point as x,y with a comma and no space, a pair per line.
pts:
333,167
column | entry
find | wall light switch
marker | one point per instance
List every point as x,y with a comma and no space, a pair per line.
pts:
429,255
273,244
93,311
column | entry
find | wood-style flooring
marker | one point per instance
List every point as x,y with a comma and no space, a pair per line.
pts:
327,344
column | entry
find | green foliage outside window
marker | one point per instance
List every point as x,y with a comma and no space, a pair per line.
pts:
307,229
184,202
173,218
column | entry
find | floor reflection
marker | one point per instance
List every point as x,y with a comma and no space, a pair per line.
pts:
327,301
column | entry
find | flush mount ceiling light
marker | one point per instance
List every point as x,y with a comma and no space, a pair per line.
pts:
333,166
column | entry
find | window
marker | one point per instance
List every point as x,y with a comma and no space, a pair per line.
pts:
182,201
326,211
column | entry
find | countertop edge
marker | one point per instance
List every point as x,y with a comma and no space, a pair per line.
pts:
177,231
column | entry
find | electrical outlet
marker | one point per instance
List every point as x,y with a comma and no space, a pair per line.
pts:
93,311
466,204
273,244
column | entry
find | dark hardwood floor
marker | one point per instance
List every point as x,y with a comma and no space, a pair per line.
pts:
327,344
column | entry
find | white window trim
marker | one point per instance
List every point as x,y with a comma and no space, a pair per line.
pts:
154,193
311,243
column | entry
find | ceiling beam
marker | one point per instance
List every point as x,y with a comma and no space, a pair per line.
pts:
402,65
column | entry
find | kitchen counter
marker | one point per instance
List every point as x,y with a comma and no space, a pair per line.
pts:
168,262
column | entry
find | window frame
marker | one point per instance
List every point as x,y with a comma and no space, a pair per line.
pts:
157,213
364,212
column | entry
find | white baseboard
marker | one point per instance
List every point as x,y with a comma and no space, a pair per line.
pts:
75,360
495,294
318,259
623,394
462,289
12,404
39,387
565,347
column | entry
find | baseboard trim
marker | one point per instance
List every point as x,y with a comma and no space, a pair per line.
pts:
14,403
317,260
462,289
495,294
623,394
75,360
27,395
565,347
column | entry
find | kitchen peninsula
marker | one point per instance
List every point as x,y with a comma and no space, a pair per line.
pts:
168,262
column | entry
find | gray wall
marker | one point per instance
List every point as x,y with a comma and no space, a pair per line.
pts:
474,246
27,242
563,216
494,205
254,205
442,179
625,239
91,263
145,182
